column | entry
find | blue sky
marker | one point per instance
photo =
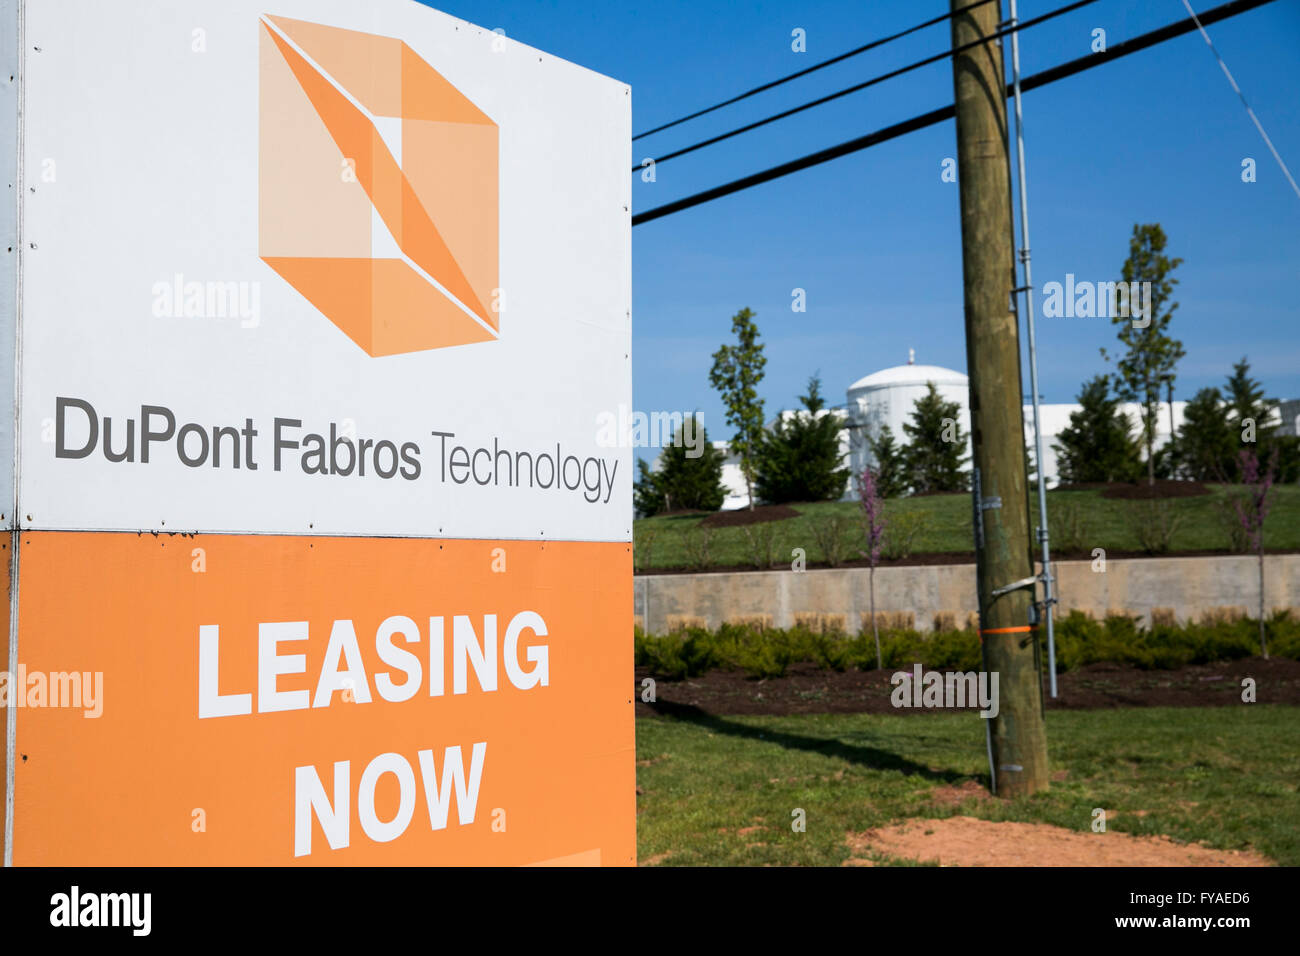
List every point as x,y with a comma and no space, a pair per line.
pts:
874,238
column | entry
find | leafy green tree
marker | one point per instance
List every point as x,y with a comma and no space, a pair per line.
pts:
799,458
737,370
1244,397
1098,445
1151,354
1249,419
1248,413
1288,458
647,496
890,473
683,481
936,449
1166,463
1204,449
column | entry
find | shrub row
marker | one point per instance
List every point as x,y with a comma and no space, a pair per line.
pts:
1080,640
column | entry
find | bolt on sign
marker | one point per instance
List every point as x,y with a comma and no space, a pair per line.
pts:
312,554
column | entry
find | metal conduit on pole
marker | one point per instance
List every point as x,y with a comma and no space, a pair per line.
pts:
1028,288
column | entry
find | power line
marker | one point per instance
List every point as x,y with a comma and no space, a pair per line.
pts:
1242,96
1142,42
812,69
872,82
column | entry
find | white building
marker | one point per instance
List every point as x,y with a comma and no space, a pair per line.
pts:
888,397
1289,417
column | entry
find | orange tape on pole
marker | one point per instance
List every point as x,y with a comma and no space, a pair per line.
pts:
1008,630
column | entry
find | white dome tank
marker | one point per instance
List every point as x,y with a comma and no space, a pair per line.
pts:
888,397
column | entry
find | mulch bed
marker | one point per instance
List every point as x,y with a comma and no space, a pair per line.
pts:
743,516
809,689
1163,488
959,557
936,557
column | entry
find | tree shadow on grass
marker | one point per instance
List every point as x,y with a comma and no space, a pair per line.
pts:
871,757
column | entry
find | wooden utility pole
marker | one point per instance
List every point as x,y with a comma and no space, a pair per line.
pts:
1004,568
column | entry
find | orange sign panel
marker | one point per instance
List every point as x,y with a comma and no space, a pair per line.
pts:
293,700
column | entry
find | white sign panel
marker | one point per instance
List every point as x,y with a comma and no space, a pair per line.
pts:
322,267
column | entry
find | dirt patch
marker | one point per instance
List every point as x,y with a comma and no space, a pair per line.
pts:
948,796
809,689
742,516
1116,814
966,841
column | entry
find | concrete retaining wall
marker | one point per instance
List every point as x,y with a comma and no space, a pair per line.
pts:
1182,588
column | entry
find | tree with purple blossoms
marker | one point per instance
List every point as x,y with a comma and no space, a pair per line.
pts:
873,526
1252,508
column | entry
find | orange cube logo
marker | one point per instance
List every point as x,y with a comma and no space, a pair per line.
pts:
378,189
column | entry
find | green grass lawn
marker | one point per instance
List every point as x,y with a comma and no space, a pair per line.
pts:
1080,520
1229,777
